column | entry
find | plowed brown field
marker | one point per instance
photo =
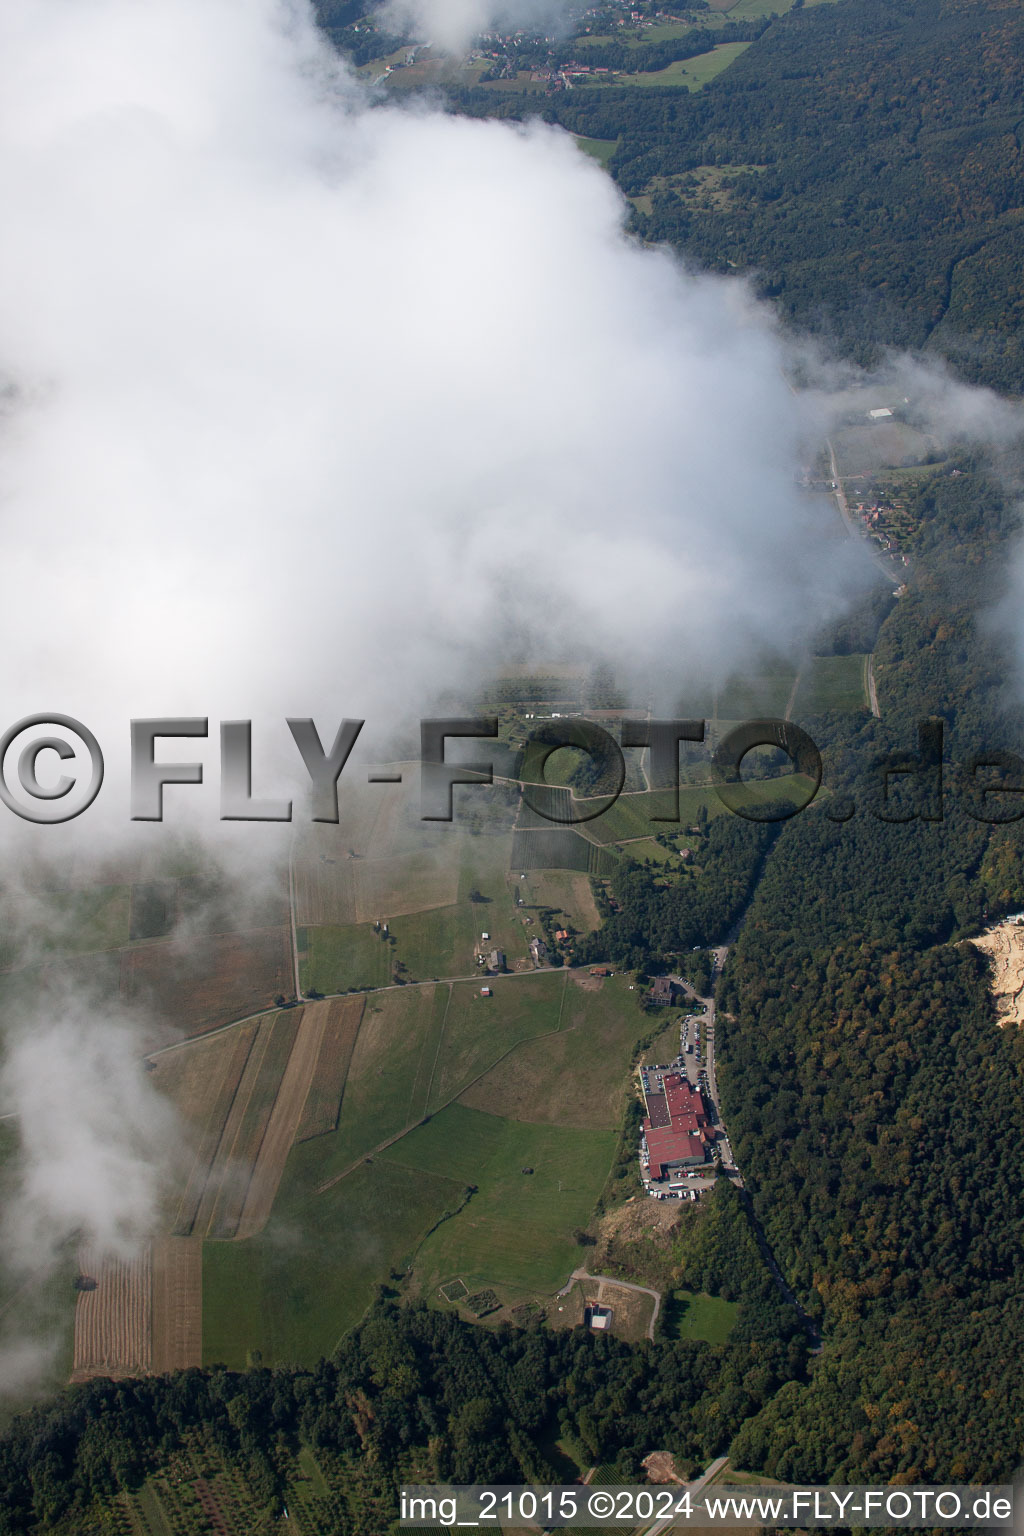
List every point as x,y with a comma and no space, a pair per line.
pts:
113,1323
209,981
177,1303
285,1117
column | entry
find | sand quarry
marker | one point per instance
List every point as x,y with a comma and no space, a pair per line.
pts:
1004,943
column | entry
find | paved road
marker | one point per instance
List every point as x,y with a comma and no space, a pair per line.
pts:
668,1523
626,1285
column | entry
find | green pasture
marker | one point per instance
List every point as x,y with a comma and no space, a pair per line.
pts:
293,1291
695,1315
517,1228
832,682
478,1030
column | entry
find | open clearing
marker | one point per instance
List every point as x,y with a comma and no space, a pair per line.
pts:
1004,944
177,1304
517,1229
600,149
695,1315
631,1310
832,682
687,74
113,1322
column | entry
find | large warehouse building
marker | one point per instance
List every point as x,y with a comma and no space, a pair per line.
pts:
677,1130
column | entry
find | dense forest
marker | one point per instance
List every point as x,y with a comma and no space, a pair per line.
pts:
867,161
875,1108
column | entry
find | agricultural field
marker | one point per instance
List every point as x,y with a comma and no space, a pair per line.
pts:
340,958
875,446
177,1332
752,698
113,1317
647,848
478,1031
389,1075
52,923
426,906
201,1079
33,1307
517,1229
294,1086
629,819
553,848
684,74
832,682
578,1077
206,982
323,1101
292,1292
227,1188
567,891
695,1315
154,909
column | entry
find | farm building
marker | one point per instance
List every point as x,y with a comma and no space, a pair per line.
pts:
496,960
485,991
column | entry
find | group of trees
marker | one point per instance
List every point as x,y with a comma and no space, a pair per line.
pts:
655,919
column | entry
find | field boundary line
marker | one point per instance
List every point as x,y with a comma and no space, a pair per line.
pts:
197,1156
365,1157
437,1053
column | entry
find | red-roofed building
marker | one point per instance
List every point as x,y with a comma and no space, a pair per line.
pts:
682,1142
670,1148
